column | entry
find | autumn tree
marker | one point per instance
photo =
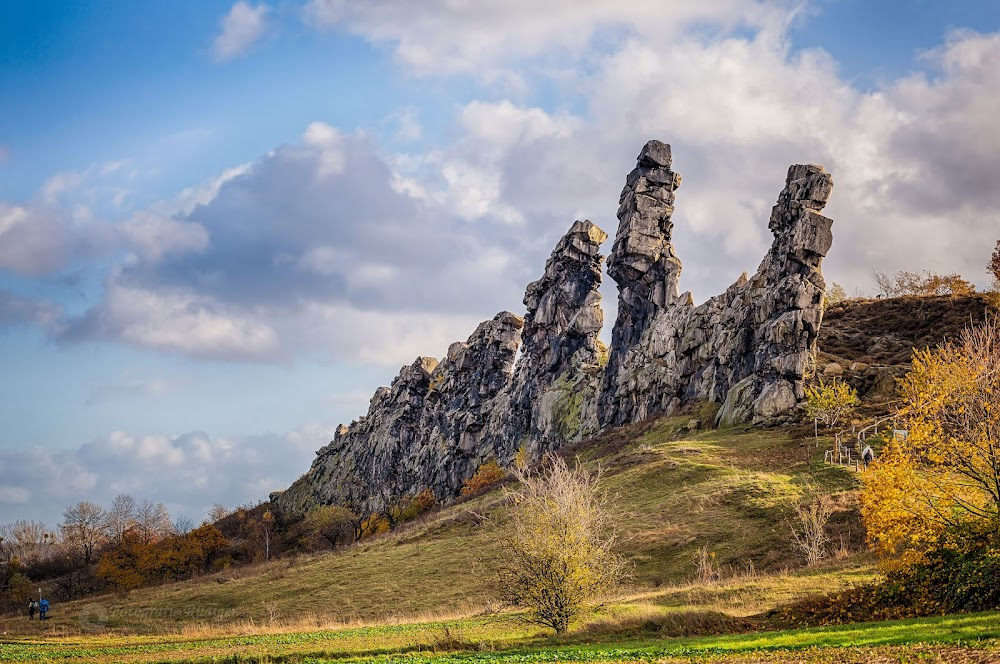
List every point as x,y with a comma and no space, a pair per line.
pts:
259,525
835,293
333,525
182,556
559,552
83,528
828,402
132,563
218,513
943,478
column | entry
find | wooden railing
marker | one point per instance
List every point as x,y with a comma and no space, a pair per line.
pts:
848,443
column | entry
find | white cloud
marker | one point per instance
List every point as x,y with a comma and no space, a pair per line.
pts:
504,124
38,239
189,472
313,245
155,236
241,27
487,37
175,321
408,127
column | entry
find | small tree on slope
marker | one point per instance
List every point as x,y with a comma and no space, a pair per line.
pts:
558,554
828,402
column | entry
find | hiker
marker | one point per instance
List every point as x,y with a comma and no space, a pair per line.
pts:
867,455
31,609
43,608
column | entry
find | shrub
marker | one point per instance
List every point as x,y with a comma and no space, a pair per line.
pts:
960,577
558,555
487,475
421,503
913,282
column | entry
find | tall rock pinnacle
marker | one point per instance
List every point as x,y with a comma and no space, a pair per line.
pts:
560,342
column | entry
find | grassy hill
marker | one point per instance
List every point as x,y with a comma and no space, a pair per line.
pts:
885,331
678,492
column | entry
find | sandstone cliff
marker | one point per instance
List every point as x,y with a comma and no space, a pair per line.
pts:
746,349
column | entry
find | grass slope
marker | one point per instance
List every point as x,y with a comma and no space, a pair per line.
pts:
968,638
728,492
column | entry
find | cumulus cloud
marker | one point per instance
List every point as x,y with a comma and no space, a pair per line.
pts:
313,243
444,37
16,310
174,320
39,238
40,483
241,28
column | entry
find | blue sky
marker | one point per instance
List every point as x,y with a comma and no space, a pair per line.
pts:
222,225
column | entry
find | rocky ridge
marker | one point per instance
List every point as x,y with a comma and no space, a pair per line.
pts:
746,349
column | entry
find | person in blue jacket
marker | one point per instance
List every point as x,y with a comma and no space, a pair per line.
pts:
43,608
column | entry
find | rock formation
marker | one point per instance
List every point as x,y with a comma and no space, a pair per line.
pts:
439,422
552,395
745,349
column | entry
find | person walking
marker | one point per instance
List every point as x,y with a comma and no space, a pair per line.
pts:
31,609
43,608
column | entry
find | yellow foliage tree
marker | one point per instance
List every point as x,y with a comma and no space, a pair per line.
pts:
559,552
944,476
828,402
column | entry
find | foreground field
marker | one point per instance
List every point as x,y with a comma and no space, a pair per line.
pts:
969,638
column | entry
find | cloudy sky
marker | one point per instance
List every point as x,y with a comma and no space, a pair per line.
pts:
222,226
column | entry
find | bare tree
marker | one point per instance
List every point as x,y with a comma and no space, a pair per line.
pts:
120,519
218,513
993,267
809,530
152,521
182,525
83,527
27,539
558,555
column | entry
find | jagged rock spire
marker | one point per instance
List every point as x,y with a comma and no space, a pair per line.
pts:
560,340
642,261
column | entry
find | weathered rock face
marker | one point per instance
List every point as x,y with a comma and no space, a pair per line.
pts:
439,422
747,349
361,466
552,396
460,401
